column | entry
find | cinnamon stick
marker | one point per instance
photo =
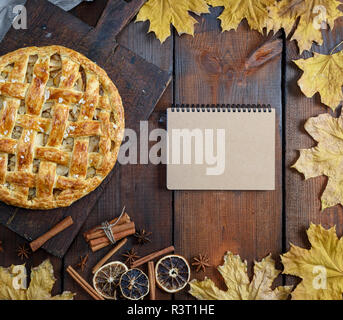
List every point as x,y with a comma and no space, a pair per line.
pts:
108,255
96,233
152,280
84,284
152,256
106,241
65,223
117,231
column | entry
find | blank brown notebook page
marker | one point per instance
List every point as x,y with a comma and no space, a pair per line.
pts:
221,150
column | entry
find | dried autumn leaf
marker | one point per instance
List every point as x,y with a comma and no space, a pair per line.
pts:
41,284
162,13
313,15
235,275
321,267
323,74
255,11
326,158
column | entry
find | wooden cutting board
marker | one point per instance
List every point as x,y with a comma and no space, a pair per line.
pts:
140,85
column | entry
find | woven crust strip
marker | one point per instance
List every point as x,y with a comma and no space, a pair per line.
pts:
61,126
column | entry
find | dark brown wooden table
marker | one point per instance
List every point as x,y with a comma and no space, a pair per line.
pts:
209,69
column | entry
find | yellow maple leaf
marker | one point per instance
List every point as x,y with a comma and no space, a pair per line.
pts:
12,285
323,74
321,267
255,11
326,158
162,13
239,287
313,15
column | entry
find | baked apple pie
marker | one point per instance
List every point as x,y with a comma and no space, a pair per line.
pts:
61,126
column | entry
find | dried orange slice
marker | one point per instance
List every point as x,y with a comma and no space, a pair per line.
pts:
106,279
134,284
172,273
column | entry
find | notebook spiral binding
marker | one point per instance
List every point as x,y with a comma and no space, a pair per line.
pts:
221,108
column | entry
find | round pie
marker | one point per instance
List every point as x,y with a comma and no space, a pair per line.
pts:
61,126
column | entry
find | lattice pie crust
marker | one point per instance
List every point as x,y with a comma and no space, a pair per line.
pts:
61,126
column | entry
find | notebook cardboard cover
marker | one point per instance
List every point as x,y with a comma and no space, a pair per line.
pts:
221,149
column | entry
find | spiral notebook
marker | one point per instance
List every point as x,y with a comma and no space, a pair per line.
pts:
222,147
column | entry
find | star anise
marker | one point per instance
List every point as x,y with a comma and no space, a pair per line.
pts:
1,247
131,256
201,262
142,236
83,262
23,252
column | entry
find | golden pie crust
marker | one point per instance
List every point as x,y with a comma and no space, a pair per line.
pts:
61,126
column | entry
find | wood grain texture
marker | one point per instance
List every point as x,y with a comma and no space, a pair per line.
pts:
303,197
100,42
89,11
139,83
248,223
212,67
141,187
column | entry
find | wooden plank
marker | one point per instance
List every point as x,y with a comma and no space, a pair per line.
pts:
11,241
43,29
133,76
141,188
303,197
89,11
209,68
99,43
9,256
